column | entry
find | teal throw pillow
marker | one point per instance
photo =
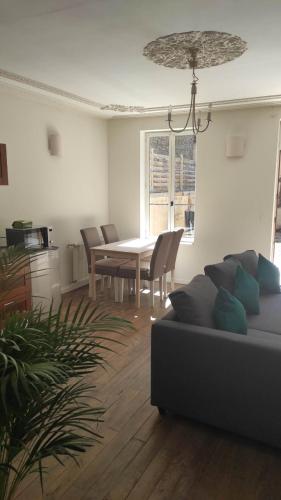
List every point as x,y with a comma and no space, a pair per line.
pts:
268,276
247,290
229,313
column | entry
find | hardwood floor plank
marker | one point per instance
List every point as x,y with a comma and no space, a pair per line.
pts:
138,465
112,474
157,467
195,449
90,475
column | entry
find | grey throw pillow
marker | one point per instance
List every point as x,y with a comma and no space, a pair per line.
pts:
248,259
223,274
194,303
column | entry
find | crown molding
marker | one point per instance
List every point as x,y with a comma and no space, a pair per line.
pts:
119,110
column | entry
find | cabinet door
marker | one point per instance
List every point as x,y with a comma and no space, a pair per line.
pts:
18,297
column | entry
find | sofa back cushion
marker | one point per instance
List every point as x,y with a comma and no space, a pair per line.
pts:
194,303
247,290
248,260
223,273
229,313
268,276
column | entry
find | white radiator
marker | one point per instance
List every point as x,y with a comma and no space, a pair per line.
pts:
79,262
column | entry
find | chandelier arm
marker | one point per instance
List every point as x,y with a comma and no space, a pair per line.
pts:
205,128
186,123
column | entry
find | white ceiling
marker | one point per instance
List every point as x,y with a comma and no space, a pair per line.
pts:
93,48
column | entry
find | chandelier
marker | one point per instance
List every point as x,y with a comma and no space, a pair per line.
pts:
194,50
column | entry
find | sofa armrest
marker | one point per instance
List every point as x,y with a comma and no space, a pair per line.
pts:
228,380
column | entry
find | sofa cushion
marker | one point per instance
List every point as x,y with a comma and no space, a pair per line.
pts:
194,302
223,273
248,260
229,313
247,290
269,319
268,276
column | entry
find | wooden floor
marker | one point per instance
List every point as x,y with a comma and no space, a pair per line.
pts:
145,456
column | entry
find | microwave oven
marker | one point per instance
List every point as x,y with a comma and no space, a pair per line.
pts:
32,237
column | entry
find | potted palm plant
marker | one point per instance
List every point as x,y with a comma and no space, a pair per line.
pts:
44,410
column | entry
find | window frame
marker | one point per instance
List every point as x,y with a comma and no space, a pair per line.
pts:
171,191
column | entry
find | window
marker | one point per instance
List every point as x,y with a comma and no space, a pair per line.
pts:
170,183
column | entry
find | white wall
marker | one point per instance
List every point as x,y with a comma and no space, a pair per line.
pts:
235,197
68,192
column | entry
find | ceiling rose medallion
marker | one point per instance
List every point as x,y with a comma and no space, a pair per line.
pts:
122,108
194,50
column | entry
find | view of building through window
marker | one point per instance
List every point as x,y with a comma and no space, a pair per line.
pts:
277,240
171,171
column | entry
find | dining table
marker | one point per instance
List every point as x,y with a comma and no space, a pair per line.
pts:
132,249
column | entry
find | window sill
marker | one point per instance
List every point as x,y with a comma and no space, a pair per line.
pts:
187,242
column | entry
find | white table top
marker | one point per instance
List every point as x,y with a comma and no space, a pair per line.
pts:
134,245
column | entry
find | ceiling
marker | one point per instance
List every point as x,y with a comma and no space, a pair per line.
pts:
92,49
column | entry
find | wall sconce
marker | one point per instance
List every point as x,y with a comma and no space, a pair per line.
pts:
235,146
54,144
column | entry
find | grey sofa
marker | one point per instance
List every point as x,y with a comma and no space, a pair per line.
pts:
228,380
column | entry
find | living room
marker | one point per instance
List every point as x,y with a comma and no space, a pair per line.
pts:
81,100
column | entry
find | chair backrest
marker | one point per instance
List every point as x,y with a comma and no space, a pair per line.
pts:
160,254
91,238
109,233
172,256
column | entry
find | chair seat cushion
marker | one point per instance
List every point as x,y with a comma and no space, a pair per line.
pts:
128,271
109,267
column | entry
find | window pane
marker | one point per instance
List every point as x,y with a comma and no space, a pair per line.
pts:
159,218
159,164
158,184
184,200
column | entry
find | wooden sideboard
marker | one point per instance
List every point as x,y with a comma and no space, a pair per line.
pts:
18,298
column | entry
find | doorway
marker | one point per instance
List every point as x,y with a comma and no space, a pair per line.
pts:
277,235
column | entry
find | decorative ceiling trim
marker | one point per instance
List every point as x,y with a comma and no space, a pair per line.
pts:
195,49
68,95
229,103
139,110
47,88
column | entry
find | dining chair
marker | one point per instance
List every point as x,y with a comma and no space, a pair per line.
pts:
104,267
156,269
171,259
109,233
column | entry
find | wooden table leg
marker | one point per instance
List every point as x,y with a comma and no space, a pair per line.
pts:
93,275
138,281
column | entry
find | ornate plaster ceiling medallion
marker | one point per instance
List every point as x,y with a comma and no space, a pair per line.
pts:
194,49
212,48
122,108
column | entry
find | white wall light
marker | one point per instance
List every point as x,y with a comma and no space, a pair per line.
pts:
235,146
54,144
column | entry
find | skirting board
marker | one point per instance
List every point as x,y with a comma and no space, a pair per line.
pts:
76,284
181,281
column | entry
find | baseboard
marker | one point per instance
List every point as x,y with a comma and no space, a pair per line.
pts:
181,281
74,286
